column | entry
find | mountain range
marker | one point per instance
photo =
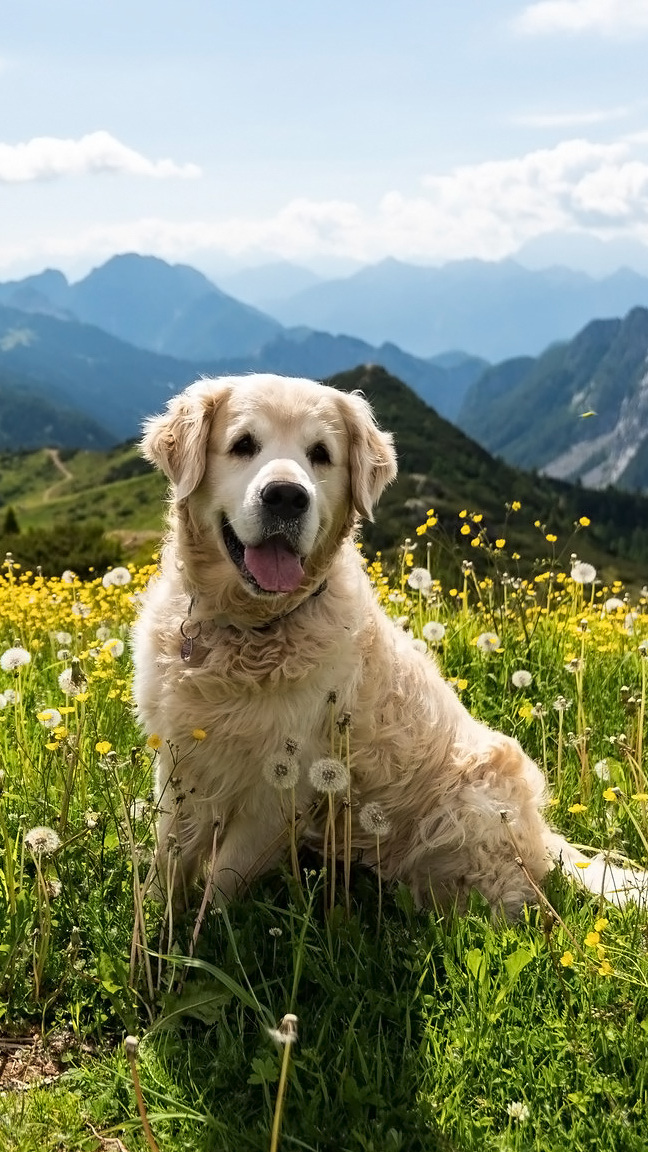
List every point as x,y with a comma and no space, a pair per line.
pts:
491,310
579,411
83,364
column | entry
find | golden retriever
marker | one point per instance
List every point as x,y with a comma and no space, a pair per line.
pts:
262,623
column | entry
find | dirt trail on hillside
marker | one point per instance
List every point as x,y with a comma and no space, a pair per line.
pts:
54,456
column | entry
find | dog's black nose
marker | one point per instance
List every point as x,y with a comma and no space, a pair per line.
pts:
285,499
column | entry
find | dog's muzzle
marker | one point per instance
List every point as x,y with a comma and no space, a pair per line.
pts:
274,564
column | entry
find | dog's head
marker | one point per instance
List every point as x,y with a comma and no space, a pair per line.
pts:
272,472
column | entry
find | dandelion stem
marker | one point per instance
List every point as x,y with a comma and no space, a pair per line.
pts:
279,1103
141,1107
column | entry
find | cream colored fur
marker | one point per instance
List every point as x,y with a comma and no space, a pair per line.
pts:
462,800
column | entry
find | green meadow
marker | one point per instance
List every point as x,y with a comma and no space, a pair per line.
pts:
414,1030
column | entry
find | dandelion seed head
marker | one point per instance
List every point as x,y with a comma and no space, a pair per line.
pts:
281,771
67,684
612,604
583,573
42,841
521,678
328,775
102,633
488,642
373,820
602,770
114,647
49,717
433,632
14,658
64,638
286,1031
419,646
54,888
116,577
68,576
420,580
80,609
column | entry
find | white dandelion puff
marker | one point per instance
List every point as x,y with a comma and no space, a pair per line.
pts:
419,646
488,642
286,1032
102,633
63,638
373,820
574,665
602,770
42,841
63,654
117,577
54,888
3,700
420,580
629,621
433,632
561,704
328,775
521,678
13,659
583,573
114,646
281,771
11,697
49,717
613,604
80,609
68,577
68,684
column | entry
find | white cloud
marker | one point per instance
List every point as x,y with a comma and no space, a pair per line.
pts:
485,210
609,17
49,157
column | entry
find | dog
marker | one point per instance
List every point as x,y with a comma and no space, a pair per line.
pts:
262,627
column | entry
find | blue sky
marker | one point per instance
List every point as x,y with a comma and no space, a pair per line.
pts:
222,133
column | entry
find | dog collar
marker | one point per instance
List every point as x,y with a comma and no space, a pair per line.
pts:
190,629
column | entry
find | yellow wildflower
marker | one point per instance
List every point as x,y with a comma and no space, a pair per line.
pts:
600,924
500,543
199,734
102,747
154,741
577,808
567,959
610,795
606,968
551,537
592,939
584,521
465,530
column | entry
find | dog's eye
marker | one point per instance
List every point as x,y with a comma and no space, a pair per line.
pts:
319,454
245,446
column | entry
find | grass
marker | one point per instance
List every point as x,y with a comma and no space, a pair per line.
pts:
415,1031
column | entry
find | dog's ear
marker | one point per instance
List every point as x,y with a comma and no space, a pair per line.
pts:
372,459
176,441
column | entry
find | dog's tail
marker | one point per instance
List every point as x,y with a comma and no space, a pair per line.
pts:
618,884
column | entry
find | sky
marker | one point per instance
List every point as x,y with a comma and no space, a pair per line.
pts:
226,133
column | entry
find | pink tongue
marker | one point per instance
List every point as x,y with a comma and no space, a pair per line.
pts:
274,567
